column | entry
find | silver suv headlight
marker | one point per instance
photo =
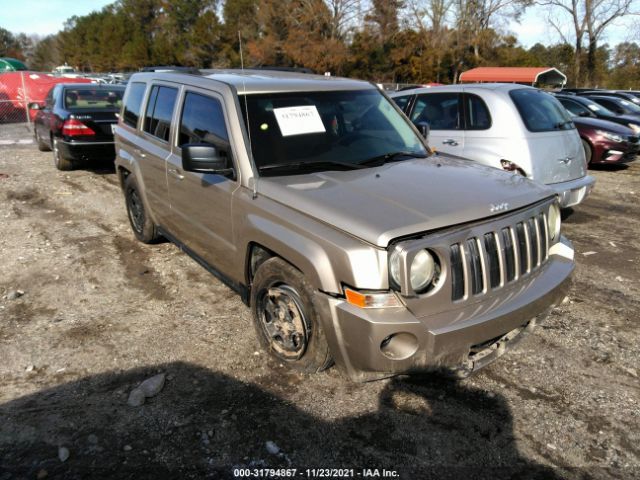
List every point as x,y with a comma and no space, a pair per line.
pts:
423,272
553,222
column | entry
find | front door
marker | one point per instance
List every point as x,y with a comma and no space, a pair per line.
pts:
201,203
443,114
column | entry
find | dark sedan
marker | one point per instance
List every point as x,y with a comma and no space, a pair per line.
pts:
606,142
617,105
587,108
76,123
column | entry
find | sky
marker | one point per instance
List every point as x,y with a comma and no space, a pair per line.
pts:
44,17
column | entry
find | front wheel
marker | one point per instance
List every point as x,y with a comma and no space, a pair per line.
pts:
285,317
588,152
59,161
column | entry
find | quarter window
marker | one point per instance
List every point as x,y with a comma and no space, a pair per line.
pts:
157,120
440,110
132,104
202,121
478,117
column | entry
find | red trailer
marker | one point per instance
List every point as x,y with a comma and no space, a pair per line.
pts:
18,89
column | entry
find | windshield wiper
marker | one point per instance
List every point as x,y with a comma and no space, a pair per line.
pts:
320,163
392,157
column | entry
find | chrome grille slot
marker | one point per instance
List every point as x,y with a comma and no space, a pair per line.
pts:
533,240
457,273
475,266
544,234
509,254
523,250
493,256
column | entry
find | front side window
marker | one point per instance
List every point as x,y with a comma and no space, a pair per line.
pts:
440,110
202,121
540,111
478,117
132,104
326,131
92,98
575,108
157,119
402,102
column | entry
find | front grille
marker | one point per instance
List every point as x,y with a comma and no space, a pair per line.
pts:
483,263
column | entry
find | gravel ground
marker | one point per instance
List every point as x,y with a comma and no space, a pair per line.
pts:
87,313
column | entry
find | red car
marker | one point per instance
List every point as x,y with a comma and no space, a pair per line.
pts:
606,142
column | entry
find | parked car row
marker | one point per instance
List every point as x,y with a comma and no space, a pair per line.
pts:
322,205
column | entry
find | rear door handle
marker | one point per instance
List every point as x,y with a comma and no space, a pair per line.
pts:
138,152
450,141
176,173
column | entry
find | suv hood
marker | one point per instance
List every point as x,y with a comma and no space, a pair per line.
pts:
403,198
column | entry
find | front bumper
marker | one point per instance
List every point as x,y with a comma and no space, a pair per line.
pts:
462,339
86,151
573,192
613,152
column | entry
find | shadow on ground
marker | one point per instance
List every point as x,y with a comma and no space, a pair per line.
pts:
204,423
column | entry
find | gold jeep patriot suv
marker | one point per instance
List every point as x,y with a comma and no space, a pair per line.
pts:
322,206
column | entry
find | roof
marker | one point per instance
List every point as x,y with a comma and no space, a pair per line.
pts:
514,74
263,81
11,65
459,88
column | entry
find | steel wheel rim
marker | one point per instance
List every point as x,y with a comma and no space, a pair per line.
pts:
283,321
136,212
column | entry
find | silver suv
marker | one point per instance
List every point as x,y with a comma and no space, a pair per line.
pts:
511,127
321,204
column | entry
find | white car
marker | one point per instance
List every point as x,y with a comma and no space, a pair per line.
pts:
508,126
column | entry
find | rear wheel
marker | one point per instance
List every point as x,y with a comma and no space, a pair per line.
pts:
588,152
143,227
42,146
60,162
286,319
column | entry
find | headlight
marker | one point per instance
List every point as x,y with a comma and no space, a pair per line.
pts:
553,222
635,127
394,266
423,269
611,136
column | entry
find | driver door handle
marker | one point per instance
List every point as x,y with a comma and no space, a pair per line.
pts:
450,141
176,173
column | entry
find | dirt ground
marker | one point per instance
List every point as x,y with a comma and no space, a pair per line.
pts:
100,313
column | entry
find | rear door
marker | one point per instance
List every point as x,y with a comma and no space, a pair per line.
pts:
554,144
443,112
477,120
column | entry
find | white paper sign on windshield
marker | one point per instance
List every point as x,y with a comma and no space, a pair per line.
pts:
299,120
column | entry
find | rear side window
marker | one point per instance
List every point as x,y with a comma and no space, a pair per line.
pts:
540,112
132,103
402,102
478,117
157,119
202,121
575,108
440,110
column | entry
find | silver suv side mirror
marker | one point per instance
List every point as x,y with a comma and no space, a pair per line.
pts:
205,158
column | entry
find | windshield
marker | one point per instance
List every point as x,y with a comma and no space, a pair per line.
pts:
326,130
629,106
540,111
92,99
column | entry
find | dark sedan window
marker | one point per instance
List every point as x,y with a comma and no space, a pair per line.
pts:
157,120
575,108
131,112
540,111
92,99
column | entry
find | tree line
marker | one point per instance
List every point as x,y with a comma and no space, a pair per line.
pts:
398,41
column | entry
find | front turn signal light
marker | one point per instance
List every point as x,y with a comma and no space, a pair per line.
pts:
372,299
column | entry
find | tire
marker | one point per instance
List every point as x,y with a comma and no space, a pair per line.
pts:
42,146
143,227
588,152
282,302
59,161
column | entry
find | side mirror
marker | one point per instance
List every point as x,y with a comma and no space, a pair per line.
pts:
205,158
34,106
424,129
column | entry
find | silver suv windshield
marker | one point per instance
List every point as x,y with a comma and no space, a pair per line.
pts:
330,130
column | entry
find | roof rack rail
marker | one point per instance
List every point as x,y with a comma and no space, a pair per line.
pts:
282,69
171,68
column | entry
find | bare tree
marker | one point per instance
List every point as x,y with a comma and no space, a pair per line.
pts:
588,18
